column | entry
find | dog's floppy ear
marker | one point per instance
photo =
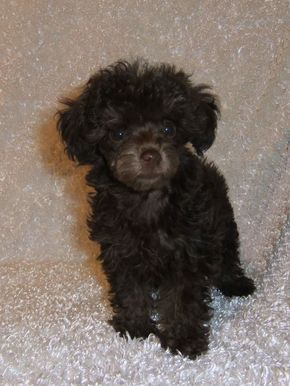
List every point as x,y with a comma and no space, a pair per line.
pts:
205,114
76,128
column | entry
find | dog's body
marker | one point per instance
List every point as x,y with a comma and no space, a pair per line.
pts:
161,214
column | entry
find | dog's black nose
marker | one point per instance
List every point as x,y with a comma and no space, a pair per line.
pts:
151,157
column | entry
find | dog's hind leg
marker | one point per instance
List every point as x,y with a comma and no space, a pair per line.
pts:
232,280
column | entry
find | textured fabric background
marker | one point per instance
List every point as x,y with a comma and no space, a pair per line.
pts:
53,294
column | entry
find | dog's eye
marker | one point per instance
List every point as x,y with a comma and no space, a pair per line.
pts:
169,130
118,135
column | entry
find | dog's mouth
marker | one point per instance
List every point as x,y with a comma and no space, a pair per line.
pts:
142,180
151,176
149,182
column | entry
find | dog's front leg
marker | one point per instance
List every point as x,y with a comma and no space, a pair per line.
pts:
184,317
132,306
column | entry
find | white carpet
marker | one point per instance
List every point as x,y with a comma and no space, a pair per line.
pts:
53,295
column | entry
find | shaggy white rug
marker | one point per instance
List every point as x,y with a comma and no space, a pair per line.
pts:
53,295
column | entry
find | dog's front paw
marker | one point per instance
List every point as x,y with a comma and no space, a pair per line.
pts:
241,286
132,328
189,346
118,325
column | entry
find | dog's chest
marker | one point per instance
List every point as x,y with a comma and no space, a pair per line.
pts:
147,229
150,209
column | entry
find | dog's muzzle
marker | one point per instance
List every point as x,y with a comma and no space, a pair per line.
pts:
146,168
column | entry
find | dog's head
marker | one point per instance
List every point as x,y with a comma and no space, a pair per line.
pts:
138,117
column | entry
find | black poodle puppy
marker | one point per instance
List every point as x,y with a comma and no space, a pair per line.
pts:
160,212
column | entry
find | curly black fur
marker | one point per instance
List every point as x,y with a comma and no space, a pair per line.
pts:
161,214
